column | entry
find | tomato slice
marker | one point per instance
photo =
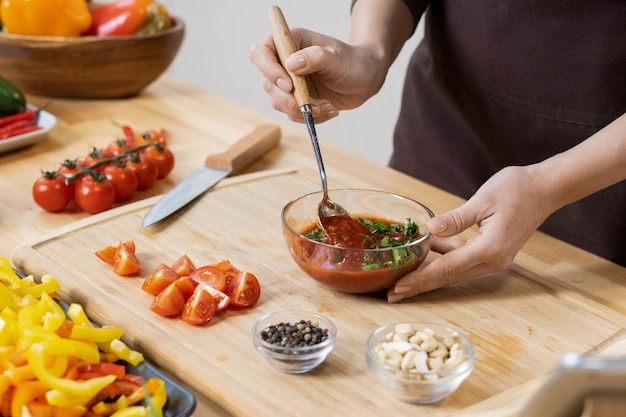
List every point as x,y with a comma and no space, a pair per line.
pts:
244,290
159,279
186,285
125,261
169,302
209,275
183,266
200,308
107,254
222,300
227,268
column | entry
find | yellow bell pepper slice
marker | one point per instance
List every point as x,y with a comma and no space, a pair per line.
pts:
122,351
40,350
48,285
96,334
134,411
77,314
8,275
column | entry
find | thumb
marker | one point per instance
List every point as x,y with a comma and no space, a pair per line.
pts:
453,222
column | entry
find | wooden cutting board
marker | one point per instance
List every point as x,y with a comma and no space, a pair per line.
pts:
520,327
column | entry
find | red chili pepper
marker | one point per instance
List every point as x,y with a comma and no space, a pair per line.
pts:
129,135
19,131
30,115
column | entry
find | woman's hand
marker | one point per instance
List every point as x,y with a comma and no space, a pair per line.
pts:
340,76
508,208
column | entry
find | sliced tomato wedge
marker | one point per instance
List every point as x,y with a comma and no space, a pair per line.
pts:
169,302
200,308
209,275
162,276
107,254
227,268
183,266
244,290
186,285
125,261
222,300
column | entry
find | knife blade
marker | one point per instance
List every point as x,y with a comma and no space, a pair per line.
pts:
216,167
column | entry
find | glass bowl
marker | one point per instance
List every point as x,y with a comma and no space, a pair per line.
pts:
301,353
356,270
426,375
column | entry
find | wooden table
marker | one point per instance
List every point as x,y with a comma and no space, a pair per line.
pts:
554,299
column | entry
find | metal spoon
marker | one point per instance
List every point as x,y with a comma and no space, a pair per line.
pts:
340,228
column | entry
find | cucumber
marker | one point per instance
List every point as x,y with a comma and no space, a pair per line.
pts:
12,100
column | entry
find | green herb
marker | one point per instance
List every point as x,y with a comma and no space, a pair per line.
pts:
386,235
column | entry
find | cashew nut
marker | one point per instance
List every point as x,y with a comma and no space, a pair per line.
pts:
420,350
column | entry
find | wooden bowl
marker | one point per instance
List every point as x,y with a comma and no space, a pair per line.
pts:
88,67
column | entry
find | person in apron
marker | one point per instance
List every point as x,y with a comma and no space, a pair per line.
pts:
516,105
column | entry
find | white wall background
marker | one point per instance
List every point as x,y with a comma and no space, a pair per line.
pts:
214,56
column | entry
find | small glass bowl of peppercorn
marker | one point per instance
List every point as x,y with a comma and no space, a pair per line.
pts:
294,341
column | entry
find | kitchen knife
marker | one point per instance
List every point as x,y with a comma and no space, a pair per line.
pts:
216,167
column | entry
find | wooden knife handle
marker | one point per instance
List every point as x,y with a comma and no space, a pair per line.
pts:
285,46
246,150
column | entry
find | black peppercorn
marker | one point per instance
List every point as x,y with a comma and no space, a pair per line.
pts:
299,334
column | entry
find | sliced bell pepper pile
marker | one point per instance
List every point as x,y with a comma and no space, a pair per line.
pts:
54,361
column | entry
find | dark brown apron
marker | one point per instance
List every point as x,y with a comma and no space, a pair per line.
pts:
504,82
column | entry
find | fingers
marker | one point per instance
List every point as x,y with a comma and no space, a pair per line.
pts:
454,221
476,257
263,55
446,244
279,86
449,269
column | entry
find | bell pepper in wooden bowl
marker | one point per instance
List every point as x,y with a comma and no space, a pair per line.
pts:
133,43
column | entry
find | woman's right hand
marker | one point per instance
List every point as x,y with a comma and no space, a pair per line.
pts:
340,76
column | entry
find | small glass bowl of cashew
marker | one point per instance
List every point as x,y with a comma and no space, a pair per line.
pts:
419,363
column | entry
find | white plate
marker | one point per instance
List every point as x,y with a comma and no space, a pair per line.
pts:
46,121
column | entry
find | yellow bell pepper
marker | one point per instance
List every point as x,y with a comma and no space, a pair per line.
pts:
96,334
122,351
67,18
41,351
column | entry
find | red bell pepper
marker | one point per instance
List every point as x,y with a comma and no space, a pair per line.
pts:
127,18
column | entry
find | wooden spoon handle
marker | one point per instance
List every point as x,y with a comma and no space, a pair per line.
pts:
285,46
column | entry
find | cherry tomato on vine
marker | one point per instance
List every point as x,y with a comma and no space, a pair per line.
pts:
151,136
145,169
95,156
51,193
163,157
118,146
94,193
123,179
68,168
